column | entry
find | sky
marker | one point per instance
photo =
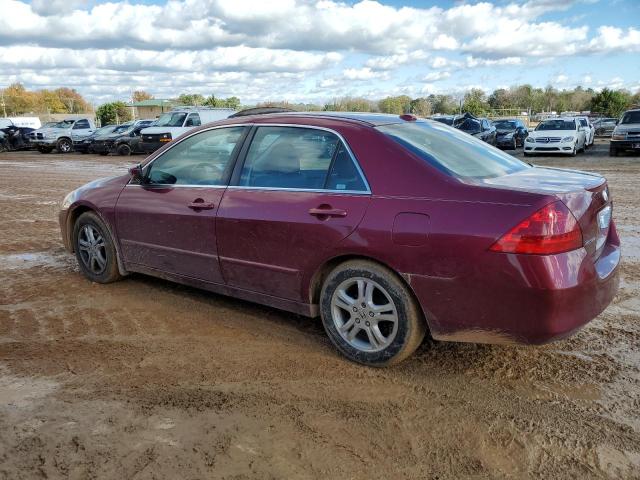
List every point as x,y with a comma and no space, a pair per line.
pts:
316,50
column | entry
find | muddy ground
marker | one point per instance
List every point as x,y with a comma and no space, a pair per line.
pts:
146,379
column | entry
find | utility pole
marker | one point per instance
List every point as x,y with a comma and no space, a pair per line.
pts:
4,107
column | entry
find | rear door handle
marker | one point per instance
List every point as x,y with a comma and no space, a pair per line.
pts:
327,212
200,204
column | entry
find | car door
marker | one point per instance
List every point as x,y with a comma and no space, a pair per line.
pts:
81,129
296,193
167,221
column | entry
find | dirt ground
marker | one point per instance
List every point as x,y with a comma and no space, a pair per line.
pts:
146,379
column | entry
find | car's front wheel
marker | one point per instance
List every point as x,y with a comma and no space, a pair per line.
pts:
370,315
95,249
124,150
64,145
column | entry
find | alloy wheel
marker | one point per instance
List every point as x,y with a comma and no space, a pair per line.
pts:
92,248
364,314
64,146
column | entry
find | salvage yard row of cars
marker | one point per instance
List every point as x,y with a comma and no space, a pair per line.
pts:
567,135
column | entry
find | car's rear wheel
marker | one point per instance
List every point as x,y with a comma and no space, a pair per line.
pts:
95,249
64,145
370,315
124,150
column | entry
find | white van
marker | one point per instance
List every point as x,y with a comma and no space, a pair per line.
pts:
172,124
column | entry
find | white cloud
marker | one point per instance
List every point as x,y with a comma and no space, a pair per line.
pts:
436,76
105,48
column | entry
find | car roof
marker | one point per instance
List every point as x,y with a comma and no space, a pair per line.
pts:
566,119
364,118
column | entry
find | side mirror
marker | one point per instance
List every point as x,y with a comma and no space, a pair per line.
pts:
136,174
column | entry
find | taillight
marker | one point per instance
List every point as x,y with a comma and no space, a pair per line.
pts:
552,229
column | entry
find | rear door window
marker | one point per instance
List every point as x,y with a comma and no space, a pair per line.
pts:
81,124
193,120
299,158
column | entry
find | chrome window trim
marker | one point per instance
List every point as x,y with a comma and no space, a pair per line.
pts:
308,190
367,190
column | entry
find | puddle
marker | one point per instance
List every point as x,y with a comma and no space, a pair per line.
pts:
23,261
20,392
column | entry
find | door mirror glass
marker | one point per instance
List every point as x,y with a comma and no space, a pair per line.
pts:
136,174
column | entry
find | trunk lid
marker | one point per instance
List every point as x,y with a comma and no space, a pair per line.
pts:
585,194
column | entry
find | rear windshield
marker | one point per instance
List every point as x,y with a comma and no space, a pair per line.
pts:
557,125
505,125
453,151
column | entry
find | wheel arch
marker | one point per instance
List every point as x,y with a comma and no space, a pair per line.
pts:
72,218
321,273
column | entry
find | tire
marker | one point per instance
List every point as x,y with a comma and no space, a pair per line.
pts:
345,291
124,150
95,251
574,151
514,145
64,145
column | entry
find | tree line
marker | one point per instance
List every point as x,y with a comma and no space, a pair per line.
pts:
16,100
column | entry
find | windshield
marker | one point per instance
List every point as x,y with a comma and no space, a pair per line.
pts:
451,151
63,124
470,126
631,117
123,128
105,130
557,125
175,119
505,125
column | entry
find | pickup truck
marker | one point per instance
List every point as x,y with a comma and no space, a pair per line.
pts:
61,135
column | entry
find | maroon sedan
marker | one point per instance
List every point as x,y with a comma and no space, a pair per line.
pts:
386,227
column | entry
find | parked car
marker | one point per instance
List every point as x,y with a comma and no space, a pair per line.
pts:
604,126
84,144
124,140
589,129
510,133
60,135
16,136
172,124
3,142
302,212
481,128
626,135
557,135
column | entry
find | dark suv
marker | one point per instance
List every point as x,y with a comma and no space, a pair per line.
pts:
124,140
510,133
481,128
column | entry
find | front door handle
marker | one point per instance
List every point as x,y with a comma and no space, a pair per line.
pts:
323,212
200,204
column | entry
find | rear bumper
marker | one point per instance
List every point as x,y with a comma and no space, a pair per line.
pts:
525,299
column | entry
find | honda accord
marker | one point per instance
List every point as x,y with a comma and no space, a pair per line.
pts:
387,227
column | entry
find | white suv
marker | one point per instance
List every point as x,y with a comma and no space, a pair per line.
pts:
556,135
